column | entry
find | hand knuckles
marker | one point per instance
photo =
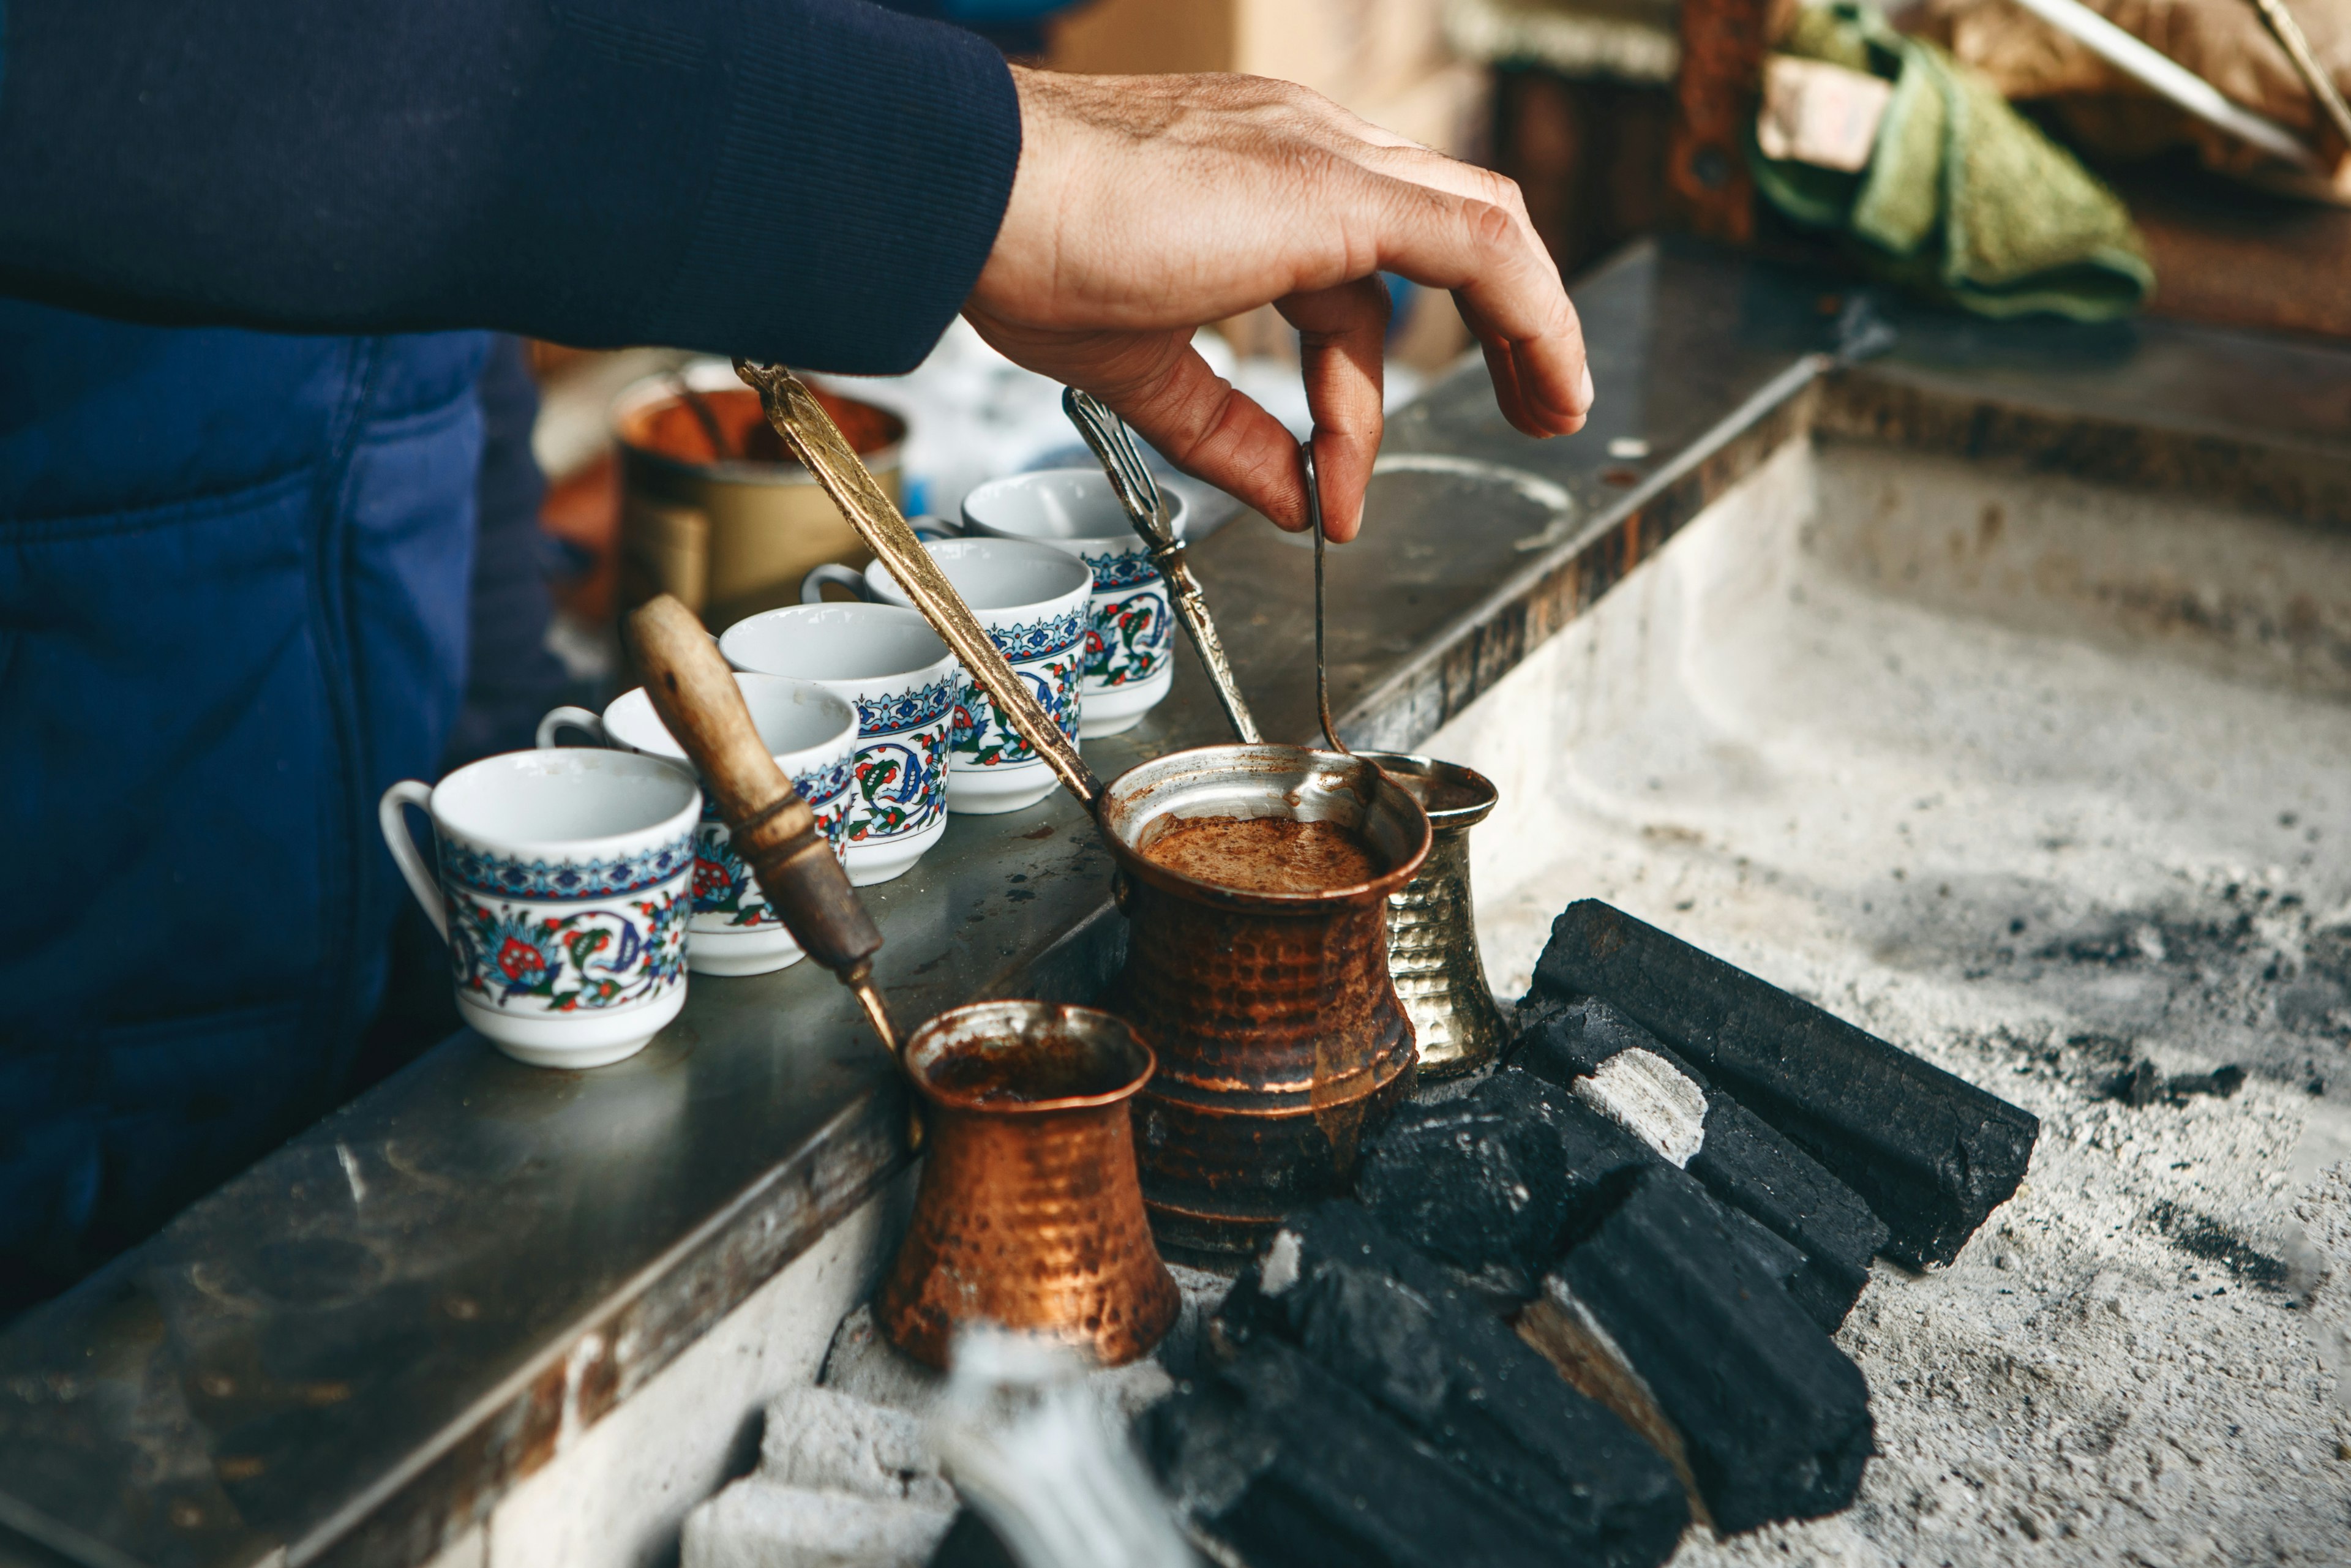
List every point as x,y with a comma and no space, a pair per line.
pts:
1490,227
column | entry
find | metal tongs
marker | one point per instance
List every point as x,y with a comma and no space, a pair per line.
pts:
1130,479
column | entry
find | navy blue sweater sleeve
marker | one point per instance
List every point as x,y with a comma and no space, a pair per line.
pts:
811,181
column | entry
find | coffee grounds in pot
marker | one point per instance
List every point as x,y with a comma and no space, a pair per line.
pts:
1266,854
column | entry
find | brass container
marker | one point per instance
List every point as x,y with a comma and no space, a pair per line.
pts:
1028,1216
1433,925
731,536
1281,1042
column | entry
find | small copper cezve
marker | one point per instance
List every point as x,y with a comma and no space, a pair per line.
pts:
1028,1216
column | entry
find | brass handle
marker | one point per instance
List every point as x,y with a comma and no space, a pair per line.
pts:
773,828
810,436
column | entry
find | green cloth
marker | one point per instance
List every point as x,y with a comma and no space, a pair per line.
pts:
1964,199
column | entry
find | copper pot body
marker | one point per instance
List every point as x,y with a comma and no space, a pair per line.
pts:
1433,954
1280,1038
1029,1215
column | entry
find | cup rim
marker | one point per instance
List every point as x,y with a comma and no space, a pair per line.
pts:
978,1017
756,687
878,572
679,823
919,674
1179,511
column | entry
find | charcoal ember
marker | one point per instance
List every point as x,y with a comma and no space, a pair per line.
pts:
1277,1463
1747,1166
1659,1313
1387,1322
1488,1182
1931,1153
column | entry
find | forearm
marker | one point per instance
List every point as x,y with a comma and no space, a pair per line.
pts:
816,181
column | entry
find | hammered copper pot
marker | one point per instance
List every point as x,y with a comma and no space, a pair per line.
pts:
1432,924
1028,1216
1281,1039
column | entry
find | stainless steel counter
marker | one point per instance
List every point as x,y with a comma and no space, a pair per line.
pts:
352,1350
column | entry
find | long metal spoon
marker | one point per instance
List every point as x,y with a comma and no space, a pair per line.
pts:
1322,667
1131,481
809,435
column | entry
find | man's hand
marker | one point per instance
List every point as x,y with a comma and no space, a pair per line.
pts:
1145,206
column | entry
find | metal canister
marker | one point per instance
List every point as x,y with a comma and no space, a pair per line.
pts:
730,532
1433,925
1028,1216
1281,1039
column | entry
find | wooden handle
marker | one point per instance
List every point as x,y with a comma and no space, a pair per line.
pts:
773,828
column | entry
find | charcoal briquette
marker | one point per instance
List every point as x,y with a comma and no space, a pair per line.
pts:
1740,1158
1280,1464
1660,1313
1490,1182
1487,1182
1748,1166
1565,1038
1392,1325
1931,1153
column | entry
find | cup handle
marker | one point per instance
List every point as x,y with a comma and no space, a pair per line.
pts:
405,853
579,719
812,585
928,529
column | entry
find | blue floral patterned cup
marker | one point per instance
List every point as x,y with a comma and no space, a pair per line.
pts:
563,888
892,668
812,735
1030,599
1130,630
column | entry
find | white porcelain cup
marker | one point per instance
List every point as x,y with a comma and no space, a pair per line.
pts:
1131,640
894,671
563,892
812,734
1031,601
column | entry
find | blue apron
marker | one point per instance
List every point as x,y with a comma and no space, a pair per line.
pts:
233,609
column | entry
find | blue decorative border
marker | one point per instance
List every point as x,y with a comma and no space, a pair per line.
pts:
1113,572
1039,639
477,872
818,785
907,710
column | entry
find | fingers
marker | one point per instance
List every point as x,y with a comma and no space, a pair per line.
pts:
1342,340
1509,292
1513,300
1197,418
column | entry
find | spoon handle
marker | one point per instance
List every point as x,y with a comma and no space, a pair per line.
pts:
1130,479
1322,667
810,436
